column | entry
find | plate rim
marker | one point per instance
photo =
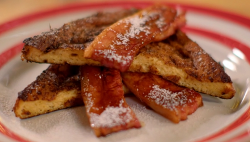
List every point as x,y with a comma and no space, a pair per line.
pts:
12,24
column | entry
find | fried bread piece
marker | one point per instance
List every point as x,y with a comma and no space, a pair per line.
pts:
166,98
177,59
116,46
69,40
55,88
104,100
185,63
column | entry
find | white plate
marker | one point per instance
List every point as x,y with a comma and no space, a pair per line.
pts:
224,36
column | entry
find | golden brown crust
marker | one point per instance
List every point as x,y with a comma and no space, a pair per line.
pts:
201,61
189,57
54,79
56,88
183,62
74,36
76,32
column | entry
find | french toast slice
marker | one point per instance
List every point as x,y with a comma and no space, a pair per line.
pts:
69,40
184,62
103,96
164,97
57,87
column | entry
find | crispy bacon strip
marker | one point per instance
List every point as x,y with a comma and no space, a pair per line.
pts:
103,97
169,100
117,45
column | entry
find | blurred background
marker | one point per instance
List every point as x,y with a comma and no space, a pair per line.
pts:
11,9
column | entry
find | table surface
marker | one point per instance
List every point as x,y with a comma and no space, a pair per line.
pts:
11,9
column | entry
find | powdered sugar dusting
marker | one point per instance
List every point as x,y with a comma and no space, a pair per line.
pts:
167,98
89,100
161,23
111,116
111,55
136,25
136,29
